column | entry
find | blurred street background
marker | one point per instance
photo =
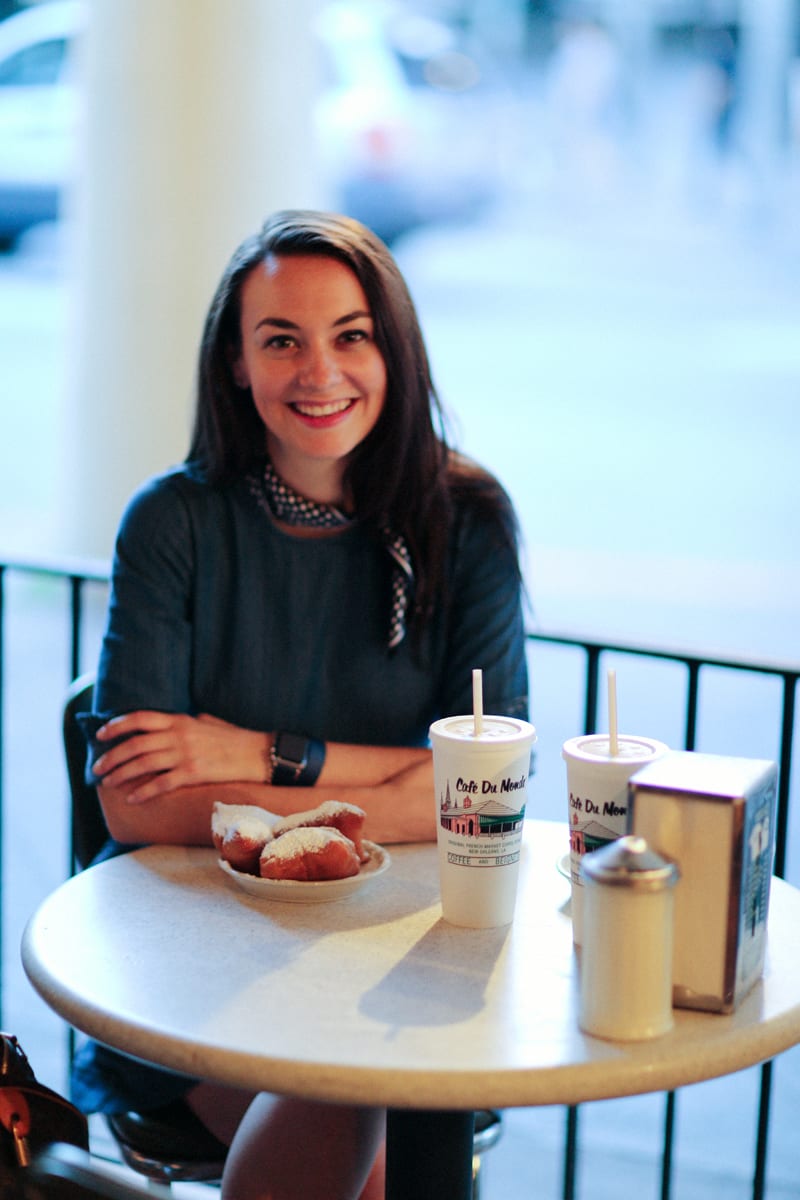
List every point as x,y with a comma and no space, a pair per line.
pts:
613,326
609,281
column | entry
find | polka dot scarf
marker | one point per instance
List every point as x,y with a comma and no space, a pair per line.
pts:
287,505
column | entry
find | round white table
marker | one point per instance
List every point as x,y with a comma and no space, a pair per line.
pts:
373,999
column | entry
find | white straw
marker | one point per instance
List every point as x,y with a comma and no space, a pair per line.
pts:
613,742
477,701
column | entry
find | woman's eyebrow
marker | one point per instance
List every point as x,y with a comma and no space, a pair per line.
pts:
278,322
358,314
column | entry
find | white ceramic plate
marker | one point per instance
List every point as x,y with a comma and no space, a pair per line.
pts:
295,892
564,867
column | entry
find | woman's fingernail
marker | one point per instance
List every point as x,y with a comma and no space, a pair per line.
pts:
99,764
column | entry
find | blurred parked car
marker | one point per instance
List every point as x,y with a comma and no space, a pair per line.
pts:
37,114
404,132
406,119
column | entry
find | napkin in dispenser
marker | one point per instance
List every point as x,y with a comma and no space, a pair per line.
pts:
715,817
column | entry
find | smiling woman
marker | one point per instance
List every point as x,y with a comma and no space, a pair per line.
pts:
293,608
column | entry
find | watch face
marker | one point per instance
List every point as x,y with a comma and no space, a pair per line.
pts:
291,748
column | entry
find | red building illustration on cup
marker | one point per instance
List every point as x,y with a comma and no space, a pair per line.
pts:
478,818
589,836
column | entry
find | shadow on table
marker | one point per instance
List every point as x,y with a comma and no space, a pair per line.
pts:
440,981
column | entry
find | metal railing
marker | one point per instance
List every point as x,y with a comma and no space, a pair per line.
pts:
78,574
695,664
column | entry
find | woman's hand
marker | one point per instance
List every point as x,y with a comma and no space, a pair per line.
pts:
165,751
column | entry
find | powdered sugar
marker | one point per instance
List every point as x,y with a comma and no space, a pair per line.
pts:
327,811
252,823
303,840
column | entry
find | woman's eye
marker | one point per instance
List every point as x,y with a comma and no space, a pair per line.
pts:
349,336
280,341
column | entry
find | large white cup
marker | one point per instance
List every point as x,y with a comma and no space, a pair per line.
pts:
597,784
480,780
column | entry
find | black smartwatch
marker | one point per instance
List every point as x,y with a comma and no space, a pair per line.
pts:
296,760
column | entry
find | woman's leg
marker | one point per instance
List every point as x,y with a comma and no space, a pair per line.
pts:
287,1149
375,1187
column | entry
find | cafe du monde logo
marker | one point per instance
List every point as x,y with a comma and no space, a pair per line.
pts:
476,814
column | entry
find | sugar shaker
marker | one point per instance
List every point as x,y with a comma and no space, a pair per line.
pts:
626,961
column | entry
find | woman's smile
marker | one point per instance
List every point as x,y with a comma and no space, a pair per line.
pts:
322,411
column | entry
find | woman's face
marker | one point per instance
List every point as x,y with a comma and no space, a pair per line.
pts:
309,357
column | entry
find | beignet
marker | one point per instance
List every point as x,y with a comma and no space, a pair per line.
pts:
239,833
309,855
333,814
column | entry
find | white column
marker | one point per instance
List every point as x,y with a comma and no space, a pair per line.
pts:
198,123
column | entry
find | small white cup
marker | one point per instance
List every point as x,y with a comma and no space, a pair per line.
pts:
597,786
480,782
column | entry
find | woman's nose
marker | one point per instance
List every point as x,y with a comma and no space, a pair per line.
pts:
319,368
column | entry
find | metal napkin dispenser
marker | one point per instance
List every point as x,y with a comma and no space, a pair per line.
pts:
715,817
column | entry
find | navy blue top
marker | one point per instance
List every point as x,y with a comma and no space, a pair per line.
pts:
216,609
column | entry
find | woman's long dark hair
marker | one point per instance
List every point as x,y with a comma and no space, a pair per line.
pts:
403,475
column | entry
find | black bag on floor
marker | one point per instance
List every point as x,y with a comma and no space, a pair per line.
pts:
32,1116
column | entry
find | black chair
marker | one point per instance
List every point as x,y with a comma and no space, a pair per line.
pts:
169,1144
88,828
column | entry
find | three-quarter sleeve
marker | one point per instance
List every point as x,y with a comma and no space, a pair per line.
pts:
145,660
485,626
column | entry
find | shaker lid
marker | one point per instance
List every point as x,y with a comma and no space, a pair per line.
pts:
629,862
